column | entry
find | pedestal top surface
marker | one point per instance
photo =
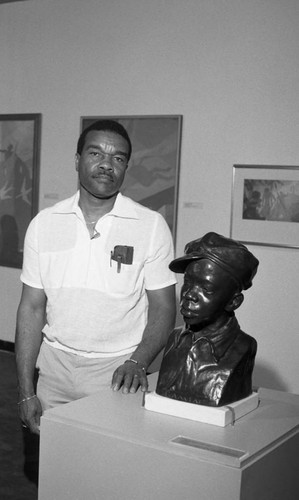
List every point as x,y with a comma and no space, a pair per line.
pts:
124,417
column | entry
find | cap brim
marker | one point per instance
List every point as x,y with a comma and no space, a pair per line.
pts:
179,265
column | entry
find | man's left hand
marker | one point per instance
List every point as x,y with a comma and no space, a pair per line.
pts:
129,377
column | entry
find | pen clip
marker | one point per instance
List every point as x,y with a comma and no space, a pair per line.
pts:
119,259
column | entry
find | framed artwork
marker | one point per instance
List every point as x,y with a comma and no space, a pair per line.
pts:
265,205
153,171
19,178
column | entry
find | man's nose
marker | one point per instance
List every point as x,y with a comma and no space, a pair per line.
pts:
106,161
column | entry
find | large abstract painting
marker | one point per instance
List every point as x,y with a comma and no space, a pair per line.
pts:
153,171
19,174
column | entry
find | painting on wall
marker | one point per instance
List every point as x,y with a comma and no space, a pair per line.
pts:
153,171
265,205
19,176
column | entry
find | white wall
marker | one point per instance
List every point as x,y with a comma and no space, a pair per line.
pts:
229,67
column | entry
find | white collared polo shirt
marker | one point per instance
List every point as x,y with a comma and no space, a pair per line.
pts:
97,306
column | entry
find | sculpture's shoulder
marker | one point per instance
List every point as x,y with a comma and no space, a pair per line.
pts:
176,332
245,343
174,338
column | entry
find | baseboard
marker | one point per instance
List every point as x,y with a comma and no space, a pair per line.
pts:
5,345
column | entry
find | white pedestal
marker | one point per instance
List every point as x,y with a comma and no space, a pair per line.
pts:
221,416
108,447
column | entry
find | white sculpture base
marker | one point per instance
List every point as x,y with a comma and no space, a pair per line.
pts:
221,416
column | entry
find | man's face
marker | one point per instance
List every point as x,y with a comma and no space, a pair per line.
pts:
206,292
102,163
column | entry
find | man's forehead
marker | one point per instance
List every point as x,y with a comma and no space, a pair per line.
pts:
106,139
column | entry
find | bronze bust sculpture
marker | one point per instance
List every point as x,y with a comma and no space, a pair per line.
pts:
210,360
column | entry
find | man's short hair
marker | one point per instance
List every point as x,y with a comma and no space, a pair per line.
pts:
108,126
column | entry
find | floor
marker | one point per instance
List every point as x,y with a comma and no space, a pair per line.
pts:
18,476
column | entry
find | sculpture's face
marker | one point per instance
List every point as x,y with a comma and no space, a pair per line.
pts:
207,293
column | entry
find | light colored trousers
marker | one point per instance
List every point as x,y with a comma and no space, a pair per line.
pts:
65,377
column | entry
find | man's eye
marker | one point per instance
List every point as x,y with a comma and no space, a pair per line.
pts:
94,153
119,159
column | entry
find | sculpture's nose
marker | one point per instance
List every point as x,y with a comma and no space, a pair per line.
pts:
190,294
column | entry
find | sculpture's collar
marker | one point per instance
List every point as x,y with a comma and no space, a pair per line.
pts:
220,340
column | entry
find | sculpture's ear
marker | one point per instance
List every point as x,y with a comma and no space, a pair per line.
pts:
234,302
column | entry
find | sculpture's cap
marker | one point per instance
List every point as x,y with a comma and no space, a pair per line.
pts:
229,254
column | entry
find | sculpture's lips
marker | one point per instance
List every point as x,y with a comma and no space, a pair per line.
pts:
187,311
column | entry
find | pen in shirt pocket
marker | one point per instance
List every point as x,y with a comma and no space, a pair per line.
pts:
122,254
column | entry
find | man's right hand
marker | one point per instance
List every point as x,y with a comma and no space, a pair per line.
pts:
30,412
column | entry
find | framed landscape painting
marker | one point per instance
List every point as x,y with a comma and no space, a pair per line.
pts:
265,205
153,171
19,176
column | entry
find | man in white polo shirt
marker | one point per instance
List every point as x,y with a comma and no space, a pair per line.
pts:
98,299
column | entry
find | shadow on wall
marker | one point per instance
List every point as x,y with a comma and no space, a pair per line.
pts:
265,376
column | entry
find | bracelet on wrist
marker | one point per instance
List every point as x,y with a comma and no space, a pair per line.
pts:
136,363
26,399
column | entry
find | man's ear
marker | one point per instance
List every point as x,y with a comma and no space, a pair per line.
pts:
77,159
235,302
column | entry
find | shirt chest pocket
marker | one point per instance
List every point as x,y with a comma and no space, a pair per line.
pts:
124,279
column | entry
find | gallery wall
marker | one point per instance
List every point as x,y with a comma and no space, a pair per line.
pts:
230,67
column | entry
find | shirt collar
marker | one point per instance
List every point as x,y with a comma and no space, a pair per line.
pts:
68,206
123,207
221,339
